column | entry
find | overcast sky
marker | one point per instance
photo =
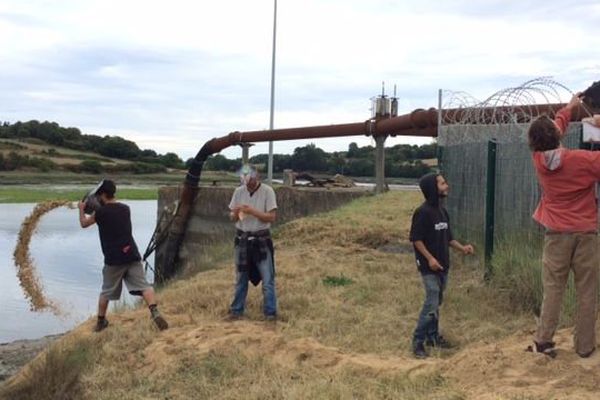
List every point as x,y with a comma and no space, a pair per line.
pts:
170,75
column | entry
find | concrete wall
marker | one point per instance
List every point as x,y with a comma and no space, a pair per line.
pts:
210,224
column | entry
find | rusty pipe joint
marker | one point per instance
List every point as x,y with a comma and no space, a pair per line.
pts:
421,119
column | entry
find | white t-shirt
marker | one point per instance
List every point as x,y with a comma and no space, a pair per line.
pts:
263,199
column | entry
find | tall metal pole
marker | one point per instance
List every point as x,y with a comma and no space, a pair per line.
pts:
439,132
439,119
270,163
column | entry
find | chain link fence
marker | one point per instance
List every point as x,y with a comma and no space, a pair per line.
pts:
494,192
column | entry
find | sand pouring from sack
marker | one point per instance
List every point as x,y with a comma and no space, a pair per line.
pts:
25,267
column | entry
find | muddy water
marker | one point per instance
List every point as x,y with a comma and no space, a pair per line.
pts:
68,263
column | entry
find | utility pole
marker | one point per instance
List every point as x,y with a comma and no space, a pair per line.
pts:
270,162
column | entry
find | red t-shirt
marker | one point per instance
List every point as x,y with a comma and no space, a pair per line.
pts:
568,181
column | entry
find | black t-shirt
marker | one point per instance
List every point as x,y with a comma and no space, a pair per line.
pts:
114,227
431,225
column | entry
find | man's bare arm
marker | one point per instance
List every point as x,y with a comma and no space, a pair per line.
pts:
85,220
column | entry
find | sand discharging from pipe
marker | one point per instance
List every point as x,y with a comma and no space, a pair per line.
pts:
26,273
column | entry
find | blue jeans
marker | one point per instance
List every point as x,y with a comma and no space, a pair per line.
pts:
428,324
267,273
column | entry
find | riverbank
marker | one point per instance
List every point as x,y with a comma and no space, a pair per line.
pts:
32,187
30,194
14,355
343,278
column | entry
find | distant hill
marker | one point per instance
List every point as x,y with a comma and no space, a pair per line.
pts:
47,146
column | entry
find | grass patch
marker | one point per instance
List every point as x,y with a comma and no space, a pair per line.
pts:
350,342
517,272
4,145
56,375
69,178
35,195
337,281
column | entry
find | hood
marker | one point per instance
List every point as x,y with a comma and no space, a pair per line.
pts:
551,160
428,185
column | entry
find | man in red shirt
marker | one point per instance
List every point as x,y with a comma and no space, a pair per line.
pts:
568,211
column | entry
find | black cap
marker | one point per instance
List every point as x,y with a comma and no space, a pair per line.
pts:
107,187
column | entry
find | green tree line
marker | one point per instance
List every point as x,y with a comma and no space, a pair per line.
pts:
72,138
402,160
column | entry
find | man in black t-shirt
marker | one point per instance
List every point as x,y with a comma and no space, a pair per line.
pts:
122,261
431,237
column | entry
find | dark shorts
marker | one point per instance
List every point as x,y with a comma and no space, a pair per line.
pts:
114,275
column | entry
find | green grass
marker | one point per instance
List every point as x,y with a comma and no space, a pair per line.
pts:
33,187
337,281
34,195
517,272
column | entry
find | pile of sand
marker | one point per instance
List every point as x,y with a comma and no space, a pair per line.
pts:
504,370
25,267
482,371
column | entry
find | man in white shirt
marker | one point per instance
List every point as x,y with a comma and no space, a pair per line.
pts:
253,208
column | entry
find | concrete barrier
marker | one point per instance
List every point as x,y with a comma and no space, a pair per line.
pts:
209,223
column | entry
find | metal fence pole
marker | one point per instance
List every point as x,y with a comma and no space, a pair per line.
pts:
490,197
272,109
439,130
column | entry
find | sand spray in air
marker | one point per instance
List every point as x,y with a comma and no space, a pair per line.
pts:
26,272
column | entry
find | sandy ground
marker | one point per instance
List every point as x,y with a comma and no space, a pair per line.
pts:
482,371
498,370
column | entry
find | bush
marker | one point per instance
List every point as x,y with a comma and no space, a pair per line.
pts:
91,166
145,168
13,161
42,164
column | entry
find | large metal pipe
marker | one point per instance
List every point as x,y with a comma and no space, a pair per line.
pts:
417,123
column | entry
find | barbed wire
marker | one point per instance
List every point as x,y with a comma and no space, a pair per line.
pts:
518,104
503,116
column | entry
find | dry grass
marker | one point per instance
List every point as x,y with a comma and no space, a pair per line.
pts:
333,342
56,374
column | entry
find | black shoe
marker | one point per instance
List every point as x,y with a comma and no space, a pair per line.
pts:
440,343
419,351
586,355
159,321
101,324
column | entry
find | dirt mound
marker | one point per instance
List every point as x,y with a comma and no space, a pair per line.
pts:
256,339
350,341
501,370
505,370
25,267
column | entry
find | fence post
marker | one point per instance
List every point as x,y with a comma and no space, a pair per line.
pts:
490,197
